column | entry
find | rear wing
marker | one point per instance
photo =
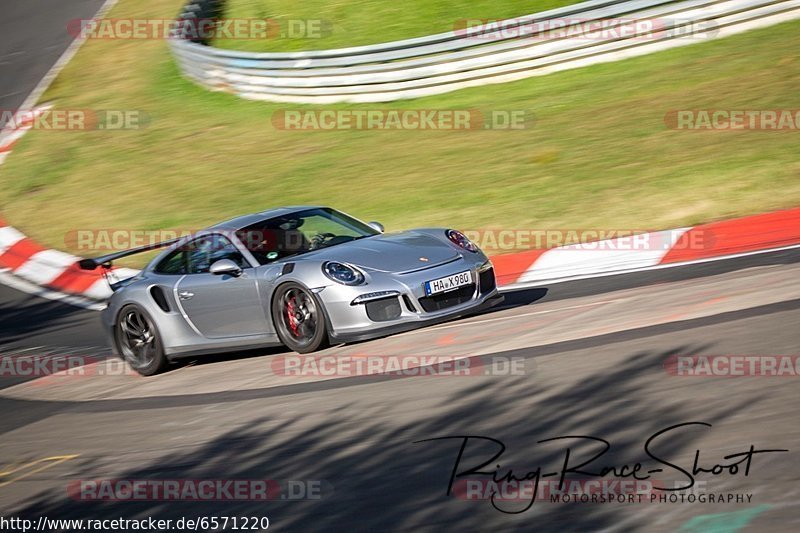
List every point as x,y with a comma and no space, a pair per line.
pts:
106,261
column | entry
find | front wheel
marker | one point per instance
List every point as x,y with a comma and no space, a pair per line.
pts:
298,319
138,341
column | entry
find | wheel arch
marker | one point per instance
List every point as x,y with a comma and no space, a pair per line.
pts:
320,303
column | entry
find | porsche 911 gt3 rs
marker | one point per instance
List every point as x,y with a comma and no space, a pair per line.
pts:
302,277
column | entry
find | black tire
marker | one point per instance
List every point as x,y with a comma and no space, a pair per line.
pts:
139,342
299,318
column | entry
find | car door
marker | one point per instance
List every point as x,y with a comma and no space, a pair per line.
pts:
220,306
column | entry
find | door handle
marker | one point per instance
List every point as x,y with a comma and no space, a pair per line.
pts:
185,295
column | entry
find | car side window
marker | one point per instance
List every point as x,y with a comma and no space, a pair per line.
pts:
205,251
174,263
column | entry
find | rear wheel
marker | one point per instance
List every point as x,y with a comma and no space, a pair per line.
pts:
298,319
138,341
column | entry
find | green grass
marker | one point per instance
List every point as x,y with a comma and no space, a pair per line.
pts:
599,155
322,24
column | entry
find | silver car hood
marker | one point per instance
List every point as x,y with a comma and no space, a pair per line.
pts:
394,252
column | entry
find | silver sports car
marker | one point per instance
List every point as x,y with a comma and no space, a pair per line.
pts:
303,277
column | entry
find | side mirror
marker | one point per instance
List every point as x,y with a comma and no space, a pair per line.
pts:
377,226
226,266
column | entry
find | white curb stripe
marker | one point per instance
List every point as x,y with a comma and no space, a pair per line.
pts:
602,256
9,237
44,267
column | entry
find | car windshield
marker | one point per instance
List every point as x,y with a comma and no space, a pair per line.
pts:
301,232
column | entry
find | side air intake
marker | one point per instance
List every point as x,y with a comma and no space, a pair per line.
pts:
157,293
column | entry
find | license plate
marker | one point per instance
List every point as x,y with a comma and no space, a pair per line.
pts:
449,283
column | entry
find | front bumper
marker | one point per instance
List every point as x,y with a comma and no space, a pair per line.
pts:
390,303
401,326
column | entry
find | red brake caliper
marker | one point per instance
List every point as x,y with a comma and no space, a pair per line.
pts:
290,314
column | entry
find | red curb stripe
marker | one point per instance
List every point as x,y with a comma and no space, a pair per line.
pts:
747,234
19,253
7,147
508,268
75,280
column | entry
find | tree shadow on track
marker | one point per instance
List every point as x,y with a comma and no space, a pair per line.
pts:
520,298
360,442
38,337
36,316
512,299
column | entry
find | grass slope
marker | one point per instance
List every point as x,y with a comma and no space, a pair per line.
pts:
359,22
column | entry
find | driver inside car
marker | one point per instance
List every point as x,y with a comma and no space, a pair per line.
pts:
276,241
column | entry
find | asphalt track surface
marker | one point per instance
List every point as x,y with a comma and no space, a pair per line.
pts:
590,359
33,35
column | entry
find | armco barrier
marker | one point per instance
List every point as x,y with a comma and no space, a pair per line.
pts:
454,60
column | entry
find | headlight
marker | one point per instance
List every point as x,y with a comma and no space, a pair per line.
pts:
460,240
341,273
